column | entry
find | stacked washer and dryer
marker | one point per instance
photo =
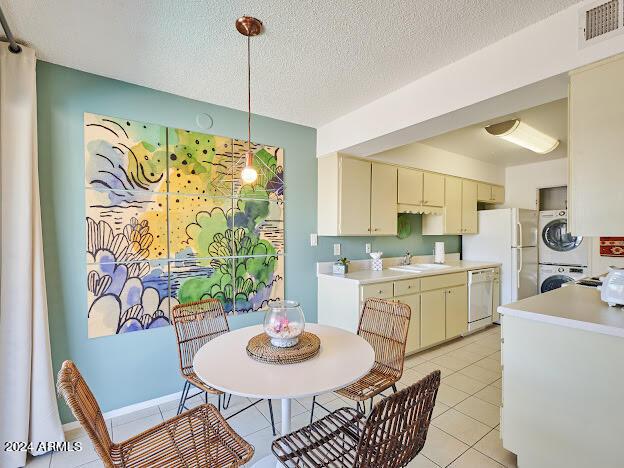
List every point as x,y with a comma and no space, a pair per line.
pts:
562,256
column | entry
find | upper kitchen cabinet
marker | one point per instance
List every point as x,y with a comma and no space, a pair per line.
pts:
419,188
354,200
488,193
596,158
410,186
383,204
469,207
449,222
460,209
356,197
498,194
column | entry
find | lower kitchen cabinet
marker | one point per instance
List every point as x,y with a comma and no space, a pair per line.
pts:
456,311
438,304
413,332
432,317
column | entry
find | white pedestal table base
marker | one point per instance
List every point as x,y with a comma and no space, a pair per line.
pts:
270,461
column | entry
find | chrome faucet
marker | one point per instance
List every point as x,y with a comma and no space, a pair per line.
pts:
407,259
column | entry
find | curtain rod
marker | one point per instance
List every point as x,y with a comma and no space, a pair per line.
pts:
13,46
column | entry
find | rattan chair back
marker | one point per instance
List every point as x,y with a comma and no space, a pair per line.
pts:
196,323
396,430
384,325
85,408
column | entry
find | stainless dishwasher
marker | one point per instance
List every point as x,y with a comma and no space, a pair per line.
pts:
480,290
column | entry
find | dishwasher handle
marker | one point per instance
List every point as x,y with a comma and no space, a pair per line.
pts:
481,276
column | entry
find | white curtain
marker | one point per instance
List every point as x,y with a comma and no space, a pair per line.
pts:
28,411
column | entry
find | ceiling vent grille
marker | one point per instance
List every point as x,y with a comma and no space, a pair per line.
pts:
599,21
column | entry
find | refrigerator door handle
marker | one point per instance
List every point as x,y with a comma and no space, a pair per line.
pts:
519,232
519,267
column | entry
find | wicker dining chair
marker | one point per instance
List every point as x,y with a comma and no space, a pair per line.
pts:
384,325
199,437
392,435
195,324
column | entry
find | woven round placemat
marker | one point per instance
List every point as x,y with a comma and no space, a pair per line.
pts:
261,349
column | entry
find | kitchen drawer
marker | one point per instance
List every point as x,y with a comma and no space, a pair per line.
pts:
406,287
443,281
379,290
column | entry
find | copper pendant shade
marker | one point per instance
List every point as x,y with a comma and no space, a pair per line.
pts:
249,26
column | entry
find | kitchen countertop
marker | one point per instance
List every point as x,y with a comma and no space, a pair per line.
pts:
370,276
571,306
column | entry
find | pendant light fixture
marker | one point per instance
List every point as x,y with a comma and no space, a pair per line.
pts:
249,26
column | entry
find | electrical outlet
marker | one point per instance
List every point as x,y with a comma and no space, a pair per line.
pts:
313,240
336,249
368,248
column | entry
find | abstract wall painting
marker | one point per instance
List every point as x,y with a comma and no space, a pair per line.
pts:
168,221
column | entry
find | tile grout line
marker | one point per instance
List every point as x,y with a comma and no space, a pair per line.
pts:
485,454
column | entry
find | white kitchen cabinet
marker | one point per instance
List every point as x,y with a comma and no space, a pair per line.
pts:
355,202
450,222
433,189
456,311
469,207
356,197
432,317
488,193
438,305
383,200
410,186
484,192
420,188
498,194
596,159
378,290
561,388
413,332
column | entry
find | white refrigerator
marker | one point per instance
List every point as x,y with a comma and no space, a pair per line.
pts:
507,236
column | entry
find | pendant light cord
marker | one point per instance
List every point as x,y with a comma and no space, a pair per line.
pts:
248,94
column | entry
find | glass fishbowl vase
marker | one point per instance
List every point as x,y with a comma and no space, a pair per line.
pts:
284,323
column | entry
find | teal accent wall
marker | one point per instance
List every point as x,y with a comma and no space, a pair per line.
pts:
354,248
127,369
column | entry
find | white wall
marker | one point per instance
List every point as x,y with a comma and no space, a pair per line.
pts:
545,49
521,186
433,159
523,182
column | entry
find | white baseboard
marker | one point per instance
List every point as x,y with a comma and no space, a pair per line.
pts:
128,409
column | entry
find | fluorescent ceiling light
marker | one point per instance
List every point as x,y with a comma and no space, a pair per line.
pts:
523,135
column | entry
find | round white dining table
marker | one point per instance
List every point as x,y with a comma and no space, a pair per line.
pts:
223,364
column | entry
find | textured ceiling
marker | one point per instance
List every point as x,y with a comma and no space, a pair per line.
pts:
474,142
317,60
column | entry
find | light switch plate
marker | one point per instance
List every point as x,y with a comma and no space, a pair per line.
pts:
313,239
336,249
368,248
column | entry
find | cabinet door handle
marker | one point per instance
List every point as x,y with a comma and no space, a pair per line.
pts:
380,291
375,229
425,202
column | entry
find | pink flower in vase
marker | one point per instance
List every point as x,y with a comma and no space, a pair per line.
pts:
281,324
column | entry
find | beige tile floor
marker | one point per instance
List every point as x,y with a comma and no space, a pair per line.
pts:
463,434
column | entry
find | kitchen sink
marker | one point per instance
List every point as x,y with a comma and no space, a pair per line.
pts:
420,267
